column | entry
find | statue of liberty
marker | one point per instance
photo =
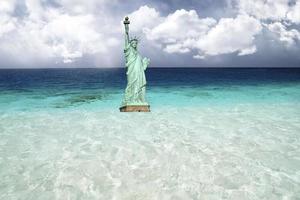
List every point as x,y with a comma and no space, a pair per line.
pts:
134,99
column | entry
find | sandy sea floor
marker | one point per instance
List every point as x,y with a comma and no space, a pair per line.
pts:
246,151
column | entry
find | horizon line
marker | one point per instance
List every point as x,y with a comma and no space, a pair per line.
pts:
148,68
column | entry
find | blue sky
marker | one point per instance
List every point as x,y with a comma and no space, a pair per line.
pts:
174,33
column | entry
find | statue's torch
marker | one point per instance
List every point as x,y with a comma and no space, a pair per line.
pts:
126,23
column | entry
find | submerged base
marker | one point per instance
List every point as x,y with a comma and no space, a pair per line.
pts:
133,108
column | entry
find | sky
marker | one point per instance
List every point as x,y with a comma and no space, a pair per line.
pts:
173,33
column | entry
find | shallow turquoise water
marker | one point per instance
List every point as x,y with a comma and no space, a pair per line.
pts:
212,134
175,96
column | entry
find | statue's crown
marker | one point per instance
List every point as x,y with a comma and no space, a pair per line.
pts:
135,39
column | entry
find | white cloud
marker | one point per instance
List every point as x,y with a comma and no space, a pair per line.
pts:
180,30
143,18
73,36
7,6
75,7
49,34
294,13
35,9
176,48
247,51
199,57
278,16
184,31
287,36
275,10
264,9
7,23
231,35
180,25
74,29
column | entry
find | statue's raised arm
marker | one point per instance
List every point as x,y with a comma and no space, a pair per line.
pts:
126,24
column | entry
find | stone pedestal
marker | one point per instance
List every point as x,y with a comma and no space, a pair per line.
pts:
133,108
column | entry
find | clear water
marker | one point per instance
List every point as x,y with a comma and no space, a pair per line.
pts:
212,134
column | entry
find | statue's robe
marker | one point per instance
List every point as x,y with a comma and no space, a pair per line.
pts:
136,80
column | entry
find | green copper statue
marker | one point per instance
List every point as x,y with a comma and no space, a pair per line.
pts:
134,99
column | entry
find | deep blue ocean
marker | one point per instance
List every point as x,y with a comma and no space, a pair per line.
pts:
211,134
29,89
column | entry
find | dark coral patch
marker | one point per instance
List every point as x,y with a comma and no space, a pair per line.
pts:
79,100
